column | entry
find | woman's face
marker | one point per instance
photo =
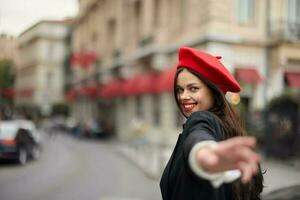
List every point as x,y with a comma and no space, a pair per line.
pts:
192,93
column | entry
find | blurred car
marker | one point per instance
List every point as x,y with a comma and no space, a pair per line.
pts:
287,193
19,141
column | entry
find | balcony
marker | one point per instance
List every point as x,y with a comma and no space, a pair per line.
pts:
284,30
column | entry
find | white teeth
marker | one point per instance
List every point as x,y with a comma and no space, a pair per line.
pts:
189,106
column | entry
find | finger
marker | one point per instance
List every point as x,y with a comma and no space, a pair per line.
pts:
247,155
247,172
254,167
230,144
241,154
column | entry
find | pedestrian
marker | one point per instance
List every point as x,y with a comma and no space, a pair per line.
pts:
213,157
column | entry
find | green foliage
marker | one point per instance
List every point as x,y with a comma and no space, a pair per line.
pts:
60,109
6,73
284,99
6,82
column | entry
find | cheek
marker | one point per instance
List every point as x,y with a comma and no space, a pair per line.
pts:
210,100
205,101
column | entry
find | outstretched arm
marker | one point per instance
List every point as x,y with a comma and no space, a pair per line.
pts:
230,154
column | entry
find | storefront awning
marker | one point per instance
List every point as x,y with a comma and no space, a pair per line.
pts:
71,95
24,93
146,84
7,92
293,79
248,75
129,87
165,80
111,89
88,91
141,84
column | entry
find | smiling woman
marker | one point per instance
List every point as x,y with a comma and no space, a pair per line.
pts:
16,16
192,93
213,158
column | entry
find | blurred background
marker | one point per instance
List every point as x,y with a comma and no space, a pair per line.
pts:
91,82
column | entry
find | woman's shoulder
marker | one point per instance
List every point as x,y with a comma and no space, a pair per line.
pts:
204,121
202,116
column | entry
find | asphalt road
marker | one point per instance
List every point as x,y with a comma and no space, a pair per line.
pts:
76,169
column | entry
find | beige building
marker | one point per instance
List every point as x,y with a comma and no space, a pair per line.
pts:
7,47
259,41
134,46
42,52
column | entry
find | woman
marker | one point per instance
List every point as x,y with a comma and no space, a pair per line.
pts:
213,158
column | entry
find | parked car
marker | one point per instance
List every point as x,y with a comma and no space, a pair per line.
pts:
19,141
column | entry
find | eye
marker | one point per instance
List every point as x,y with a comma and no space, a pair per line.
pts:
179,90
194,89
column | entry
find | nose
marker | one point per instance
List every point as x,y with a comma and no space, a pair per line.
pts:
184,95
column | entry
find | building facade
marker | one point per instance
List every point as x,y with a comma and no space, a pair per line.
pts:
258,40
42,52
7,47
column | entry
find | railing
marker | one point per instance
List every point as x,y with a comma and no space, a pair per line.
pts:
283,29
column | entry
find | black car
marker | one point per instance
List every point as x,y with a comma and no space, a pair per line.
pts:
19,141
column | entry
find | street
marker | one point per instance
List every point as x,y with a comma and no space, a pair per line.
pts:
76,169
90,169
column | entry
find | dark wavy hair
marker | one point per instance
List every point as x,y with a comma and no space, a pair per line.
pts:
232,127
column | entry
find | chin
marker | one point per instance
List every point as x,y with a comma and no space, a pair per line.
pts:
188,114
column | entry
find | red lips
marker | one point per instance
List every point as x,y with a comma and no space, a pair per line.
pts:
188,107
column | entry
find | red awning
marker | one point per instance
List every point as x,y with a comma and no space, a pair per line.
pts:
24,93
7,92
248,75
130,86
88,91
141,84
111,89
71,95
83,59
165,81
146,84
293,79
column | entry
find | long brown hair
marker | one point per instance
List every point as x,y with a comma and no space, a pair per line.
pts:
232,127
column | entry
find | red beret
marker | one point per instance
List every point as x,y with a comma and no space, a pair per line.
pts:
209,67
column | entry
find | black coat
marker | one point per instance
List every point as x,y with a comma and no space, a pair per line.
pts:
178,182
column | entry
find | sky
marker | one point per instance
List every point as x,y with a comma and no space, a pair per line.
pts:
18,15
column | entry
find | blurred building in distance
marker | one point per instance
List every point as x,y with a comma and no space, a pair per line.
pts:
8,46
283,37
40,73
124,53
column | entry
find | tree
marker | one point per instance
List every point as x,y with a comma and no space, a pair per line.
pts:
6,87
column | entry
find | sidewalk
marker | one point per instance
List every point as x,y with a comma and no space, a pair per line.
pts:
280,174
152,160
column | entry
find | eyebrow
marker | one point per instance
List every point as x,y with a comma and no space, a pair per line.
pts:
189,85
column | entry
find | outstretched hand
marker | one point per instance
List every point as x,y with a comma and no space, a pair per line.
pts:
233,153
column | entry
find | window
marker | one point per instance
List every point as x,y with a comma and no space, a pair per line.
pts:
111,34
293,19
137,17
156,13
49,79
50,51
139,108
245,11
294,11
182,15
